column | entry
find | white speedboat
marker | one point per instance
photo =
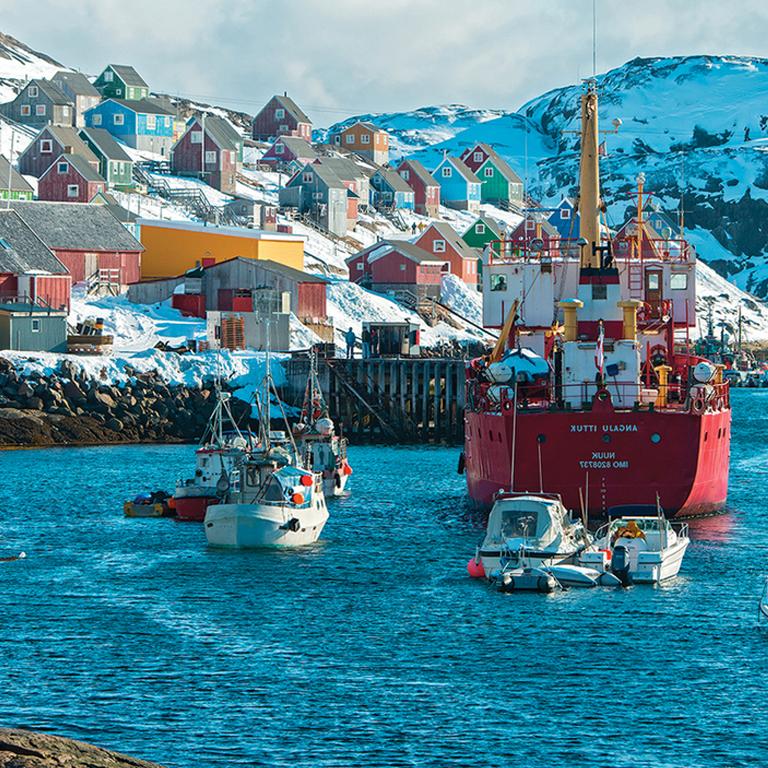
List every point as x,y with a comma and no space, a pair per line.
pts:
528,530
638,550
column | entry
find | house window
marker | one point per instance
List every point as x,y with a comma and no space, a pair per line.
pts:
478,157
480,229
96,119
488,172
118,119
109,76
63,168
530,225
308,177
65,111
360,266
365,138
599,292
46,146
446,171
565,213
498,282
32,92
40,109
279,114
350,138
438,246
119,91
678,281
279,149
317,196
196,137
73,190
35,326
402,267
405,174
26,110
210,156
115,168
283,128
151,122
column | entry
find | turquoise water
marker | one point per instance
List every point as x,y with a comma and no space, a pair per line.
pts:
372,648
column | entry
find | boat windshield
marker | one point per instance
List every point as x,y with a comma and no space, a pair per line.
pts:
521,518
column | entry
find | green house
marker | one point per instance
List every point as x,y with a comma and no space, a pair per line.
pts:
18,188
481,232
500,183
115,165
119,81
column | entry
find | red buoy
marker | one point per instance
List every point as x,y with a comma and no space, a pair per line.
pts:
306,481
475,569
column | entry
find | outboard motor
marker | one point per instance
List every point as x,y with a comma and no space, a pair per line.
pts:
620,564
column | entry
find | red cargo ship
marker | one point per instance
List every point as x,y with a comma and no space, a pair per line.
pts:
593,390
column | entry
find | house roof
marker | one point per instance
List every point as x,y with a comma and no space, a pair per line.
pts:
300,147
406,248
424,175
289,105
128,75
76,226
79,163
490,223
68,136
394,180
546,227
504,168
106,143
52,91
344,168
461,167
451,236
221,131
109,202
143,106
18,182
21,250
273,266
77,82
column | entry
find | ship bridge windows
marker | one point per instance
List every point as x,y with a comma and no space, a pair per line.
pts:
599,292
678,281
498,282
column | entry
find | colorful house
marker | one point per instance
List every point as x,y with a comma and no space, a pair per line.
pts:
120,81
29,270
78,89
87,239
115,166
17,187
481,231
426,190
565,219
365,139
318,192
70,179
210,149
52,141
535,233
389,191
289,153
355,179
459,186
397,265
501,185
40,102
173,247
281,116
441,241
139,124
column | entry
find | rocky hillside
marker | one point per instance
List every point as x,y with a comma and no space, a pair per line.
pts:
19,63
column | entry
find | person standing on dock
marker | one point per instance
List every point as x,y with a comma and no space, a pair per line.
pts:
350,338
374,343
366,337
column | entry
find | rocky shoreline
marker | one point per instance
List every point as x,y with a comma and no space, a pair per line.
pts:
69,408
27,749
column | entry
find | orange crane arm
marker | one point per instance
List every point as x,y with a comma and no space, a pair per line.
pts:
501,342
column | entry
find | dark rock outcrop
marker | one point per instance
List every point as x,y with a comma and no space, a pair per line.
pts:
26,749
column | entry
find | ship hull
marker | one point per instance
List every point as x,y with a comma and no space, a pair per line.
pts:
192,503
612,459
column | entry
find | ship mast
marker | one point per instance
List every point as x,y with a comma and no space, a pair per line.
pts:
590,202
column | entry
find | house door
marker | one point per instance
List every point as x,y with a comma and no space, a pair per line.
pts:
653,291
90,264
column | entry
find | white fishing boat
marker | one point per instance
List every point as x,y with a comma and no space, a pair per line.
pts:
528,530
638,550
271,500
321,448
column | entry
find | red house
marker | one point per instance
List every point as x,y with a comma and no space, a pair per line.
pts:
52,141
442,241
536,232
289,150
70,179
87,239
426,190
281,117
216,159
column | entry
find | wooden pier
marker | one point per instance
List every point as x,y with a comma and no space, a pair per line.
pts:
385,400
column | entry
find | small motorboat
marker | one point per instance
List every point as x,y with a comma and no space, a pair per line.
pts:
528,530
149,505
526,579
569,575
638,550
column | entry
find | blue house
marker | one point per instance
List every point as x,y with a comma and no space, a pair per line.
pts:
390,191
140,124
459,186
565,219
664,225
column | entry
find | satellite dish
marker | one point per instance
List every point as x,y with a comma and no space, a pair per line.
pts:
537,244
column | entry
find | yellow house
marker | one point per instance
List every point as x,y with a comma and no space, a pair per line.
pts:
173,247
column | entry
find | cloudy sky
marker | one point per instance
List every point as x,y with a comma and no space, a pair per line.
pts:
342,57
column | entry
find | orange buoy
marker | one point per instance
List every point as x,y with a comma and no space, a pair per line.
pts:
172,502
306,481
297,498
475,569
347,469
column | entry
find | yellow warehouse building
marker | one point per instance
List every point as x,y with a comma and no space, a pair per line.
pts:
173,247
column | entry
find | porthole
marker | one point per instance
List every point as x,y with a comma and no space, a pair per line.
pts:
606,438
541,438
655,438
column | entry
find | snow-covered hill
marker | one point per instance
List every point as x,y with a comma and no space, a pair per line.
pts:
19,63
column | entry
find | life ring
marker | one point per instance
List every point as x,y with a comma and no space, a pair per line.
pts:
698,405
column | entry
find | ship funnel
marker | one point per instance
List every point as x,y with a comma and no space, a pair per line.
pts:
629,307
589,181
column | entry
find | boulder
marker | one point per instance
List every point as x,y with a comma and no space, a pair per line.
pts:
35,403
24,390
115,425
